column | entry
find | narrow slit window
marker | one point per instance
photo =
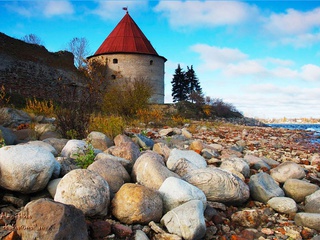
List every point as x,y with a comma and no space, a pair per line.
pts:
115,60
113,76
151,62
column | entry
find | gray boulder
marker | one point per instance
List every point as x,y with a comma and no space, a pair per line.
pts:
25,168
299,189
263,187
219,185
313,196
256,162
99,140
86,190
190,155
287,170
310,220
149,170
73,148
175,192
143,141
112,171
44,145
236,164
283,204
57,143
186,221
7,136
10,117
312,206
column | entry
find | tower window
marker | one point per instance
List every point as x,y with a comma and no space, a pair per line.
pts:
113,76
115,60
151,62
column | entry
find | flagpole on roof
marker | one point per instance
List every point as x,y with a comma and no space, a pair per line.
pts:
126,9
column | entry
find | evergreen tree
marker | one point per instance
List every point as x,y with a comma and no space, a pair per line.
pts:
193,82
179,85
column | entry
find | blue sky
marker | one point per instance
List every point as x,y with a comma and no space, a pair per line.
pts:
261,56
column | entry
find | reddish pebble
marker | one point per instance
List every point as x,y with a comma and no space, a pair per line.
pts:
100,229
121,231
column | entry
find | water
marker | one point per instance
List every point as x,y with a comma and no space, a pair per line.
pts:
314,129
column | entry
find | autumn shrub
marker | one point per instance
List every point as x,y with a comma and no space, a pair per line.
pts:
40,107
147,116
219,108
126,98
109,125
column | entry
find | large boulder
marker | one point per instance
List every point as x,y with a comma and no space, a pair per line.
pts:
73,148
287,170
298,189
190,155
149,170
112,171
7,136
10,117
186,220
44,145
283,204
236,164
26,168
219,185
310,220
46,219
86,190
175,192
263,187
134,203
57,143
99,140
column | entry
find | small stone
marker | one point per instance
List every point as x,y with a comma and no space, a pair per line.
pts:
247,218
100,229
121,231
283,204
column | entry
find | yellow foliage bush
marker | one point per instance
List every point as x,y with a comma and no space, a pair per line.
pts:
109,125
154,115
38,107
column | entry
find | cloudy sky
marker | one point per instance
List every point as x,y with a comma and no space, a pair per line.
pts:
261,56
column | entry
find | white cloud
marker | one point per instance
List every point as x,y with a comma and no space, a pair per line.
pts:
293,22
41,8
206,13
310,72
214,58
108,9
302,40
54,8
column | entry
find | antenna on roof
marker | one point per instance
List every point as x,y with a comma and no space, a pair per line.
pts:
125,8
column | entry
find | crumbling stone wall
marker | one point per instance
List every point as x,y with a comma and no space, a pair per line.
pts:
32,71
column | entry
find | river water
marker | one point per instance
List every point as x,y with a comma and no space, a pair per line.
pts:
314,129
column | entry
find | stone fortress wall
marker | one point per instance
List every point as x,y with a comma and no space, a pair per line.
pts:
121,66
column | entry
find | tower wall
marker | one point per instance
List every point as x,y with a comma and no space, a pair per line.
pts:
122,66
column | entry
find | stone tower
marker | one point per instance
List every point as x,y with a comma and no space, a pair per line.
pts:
128,54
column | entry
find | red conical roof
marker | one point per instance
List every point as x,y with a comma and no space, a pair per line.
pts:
126,37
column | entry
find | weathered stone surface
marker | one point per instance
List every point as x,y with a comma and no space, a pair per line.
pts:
313,196
86,190
67,165
44,145
247,218
175,192
112,171
7,136
287,170
99,140
219,185
149,170
298,189
134,203
183,166
197,146
127,164
140,235
263,187
186,221
312,206
190,155
166,131
143,141
45,219
25,168
100,229
126,150
42,128
52,186
122,138
162,149
236,164
11,117
283,204
74,147
310,220
255,162
49,134
57,143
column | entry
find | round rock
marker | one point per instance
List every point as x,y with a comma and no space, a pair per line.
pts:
86,190
25,168
298,189
287,170
134,203
283,204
